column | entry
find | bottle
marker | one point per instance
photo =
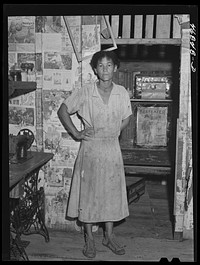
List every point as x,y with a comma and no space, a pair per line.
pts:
24,76
29,77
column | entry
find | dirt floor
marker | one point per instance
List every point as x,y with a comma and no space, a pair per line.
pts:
146,234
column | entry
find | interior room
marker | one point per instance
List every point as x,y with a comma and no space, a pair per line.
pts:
49,57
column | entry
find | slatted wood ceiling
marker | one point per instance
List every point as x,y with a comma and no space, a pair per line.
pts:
149,27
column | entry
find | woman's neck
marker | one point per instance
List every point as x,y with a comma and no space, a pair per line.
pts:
105,85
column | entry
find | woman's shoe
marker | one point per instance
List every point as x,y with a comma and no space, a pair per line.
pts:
112,244
89,249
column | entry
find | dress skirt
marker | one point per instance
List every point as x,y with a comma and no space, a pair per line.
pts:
98,188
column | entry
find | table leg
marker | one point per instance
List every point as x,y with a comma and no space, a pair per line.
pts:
28,216
17,248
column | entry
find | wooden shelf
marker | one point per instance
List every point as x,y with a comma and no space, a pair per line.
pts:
145,41
150,100
18,88
146,157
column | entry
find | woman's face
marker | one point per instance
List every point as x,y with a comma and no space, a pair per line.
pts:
105,69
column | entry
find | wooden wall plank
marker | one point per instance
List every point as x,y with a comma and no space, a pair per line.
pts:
138,26
126,27
163,26
176,28
115,25
149,26
103,28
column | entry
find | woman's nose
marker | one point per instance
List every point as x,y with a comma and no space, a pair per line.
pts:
105,68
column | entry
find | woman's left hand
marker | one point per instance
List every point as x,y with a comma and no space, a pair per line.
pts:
86,134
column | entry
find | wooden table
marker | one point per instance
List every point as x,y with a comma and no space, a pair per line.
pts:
27,217
20,171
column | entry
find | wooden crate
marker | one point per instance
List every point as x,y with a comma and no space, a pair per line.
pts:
135,187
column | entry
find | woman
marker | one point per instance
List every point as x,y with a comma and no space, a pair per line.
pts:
98,189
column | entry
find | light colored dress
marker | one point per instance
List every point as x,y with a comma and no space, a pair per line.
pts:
98,187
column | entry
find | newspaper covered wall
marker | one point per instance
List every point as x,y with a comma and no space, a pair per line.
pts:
44,42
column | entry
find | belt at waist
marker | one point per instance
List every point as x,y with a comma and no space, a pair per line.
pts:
104,138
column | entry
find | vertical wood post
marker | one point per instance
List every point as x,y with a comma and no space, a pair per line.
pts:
163,26
182,126
176,28
126,27
138,26
115,25
149,26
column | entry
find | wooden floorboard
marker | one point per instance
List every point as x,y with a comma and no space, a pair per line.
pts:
150,216
146,235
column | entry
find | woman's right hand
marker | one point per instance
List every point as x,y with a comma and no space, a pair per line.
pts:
85,134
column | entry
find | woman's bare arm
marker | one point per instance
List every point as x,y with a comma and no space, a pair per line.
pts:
125,123
67,123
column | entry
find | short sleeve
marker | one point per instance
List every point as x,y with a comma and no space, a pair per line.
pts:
74,101
126,105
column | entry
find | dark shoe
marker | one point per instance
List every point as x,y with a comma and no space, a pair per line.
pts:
89,249
111,243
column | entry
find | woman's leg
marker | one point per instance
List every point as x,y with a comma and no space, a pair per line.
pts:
89,249
110,241
88,230
108,228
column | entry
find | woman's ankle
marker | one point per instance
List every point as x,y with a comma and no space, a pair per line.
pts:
88,231
88,236
108,229
108,234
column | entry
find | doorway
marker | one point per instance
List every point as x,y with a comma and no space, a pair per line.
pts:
162,60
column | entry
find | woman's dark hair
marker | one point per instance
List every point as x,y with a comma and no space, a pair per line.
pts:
102,54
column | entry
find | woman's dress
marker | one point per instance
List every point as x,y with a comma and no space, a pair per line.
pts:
98,187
